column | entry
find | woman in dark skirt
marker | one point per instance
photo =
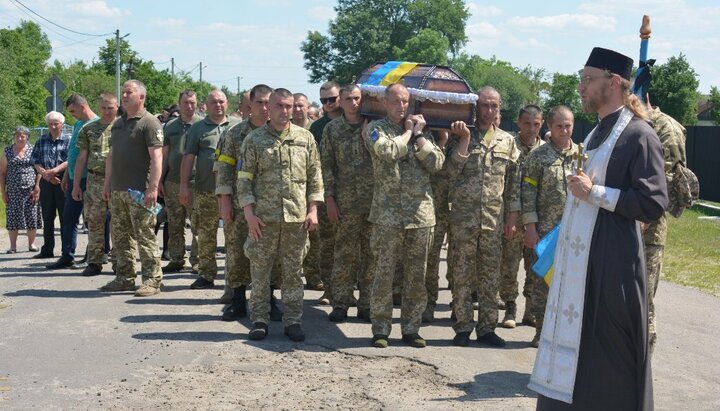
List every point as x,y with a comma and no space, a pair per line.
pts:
21,190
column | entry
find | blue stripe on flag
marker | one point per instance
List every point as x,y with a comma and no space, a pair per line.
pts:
379,74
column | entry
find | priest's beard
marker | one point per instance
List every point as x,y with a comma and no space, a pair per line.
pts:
593,103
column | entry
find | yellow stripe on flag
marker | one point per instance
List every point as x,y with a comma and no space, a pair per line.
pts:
396,74
530,181
244,175
549,275
227,160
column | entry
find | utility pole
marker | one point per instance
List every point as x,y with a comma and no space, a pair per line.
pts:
117,63
172,68
238,85
201,71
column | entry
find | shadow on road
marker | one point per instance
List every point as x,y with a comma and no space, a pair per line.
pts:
61,293
493,385
169,318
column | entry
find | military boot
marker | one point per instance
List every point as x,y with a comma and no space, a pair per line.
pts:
227,296
510,311
276,313
238,307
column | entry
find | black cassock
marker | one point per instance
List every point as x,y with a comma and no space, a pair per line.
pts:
614,370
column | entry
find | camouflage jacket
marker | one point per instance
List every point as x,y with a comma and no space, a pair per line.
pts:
229,151
486,182
402,196
544,186
94,137
279,173
346,166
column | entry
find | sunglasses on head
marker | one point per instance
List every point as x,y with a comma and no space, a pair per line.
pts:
330,100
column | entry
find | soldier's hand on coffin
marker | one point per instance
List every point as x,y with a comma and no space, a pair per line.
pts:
409,123
442,137
460,129
420,123
580,185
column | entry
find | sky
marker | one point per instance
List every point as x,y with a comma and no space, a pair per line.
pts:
258,41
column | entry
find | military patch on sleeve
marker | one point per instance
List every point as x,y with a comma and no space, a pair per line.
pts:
238,166
374,136
159,135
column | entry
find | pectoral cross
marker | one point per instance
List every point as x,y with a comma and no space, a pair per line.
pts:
580,159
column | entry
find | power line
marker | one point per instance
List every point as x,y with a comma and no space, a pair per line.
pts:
58,25
43,25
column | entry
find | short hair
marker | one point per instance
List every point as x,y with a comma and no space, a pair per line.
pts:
329,85
556,111
393,86
298,95
489,89
260,89
138,85
76,99
107,97
54,115
188,93
215,91
349,88
23,130
281,93
531,109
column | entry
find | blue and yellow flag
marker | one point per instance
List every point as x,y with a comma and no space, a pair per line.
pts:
545,251
390,72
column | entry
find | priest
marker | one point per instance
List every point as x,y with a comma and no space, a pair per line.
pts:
593,352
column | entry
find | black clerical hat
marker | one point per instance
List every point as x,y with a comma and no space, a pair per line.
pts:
611,61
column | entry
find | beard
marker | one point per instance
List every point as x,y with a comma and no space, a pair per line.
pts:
592,104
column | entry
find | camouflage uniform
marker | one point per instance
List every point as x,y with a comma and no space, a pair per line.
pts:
513,250
672,136
94,138
177,213
485,187
543,192
346,170
403,217
201,140
280,174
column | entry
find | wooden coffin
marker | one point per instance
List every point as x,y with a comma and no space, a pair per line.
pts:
439,93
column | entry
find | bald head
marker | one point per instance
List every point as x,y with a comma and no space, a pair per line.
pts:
216,106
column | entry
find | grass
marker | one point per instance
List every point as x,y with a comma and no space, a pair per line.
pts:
692,251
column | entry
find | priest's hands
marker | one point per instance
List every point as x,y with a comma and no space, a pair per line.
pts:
580,185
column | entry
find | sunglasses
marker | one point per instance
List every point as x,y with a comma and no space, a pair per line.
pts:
328,100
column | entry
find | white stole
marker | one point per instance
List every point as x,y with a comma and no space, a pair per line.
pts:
557,358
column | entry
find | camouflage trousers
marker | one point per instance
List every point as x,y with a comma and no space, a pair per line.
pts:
352,251
96,210
432,276
653,266
205,219
390,245
133,225
512,251
476,257
318,264
285,242
237,265
539,300
176,215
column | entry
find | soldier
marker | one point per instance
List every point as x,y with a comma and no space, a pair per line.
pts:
543,191
173,148
529,122
201,141
135,156
672,136
402,214
279,186
313,113
439,182
346,167
93,142
318,267
483,166
300,111
237,265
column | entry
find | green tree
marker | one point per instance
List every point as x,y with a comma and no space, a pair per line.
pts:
429,46
106,56
563,91
369,31
715,101
84,80
674,88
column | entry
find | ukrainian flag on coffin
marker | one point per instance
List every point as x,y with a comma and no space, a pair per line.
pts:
390,72
545,251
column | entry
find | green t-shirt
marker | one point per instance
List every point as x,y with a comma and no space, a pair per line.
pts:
174,132
201,140
129,140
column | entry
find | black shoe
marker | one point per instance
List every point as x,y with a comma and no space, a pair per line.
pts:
397,299
461,339
414,340
295,333
63,262
315,287
165,256
276,313
238,308
201,284
43,254
258,332
338,315
173,267
363,314
491,339
91,270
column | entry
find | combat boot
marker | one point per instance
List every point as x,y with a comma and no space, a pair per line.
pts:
173,267
428,315
295,333
535,343
338,315
276,313
510,311
363,314
238,308
258,332
528,318
227,296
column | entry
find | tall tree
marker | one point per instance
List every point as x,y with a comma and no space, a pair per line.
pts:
429,46
368,31
563,91
674,89
715,101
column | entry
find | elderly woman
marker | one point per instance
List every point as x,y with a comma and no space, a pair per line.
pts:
21,190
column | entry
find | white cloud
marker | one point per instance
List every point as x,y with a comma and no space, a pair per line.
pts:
97,8
483,29
321,13
565,21
483,10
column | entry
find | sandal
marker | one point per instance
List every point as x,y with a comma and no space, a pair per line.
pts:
11,251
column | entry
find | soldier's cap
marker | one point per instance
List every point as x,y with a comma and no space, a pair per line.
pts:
612,61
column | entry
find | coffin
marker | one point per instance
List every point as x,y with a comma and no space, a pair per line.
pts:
439,93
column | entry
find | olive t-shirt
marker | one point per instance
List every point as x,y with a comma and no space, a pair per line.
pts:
129,141
201,140
175,139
